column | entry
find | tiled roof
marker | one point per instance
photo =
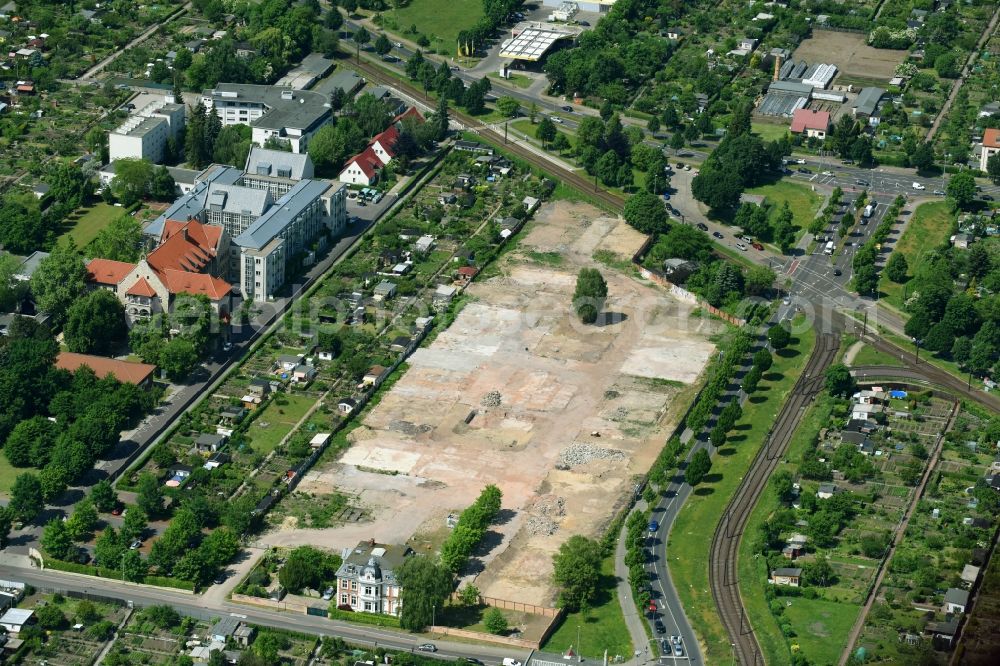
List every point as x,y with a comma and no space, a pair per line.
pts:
388,140
184,252
991,138
409,113
108,272
806,119
141,288
123,371
367,161
184,282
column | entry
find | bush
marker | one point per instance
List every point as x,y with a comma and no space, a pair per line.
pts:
374,619
495,621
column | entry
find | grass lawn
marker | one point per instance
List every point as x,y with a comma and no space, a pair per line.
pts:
928,229
601,628
439,20
801,199
769,131
280,419
516,80
85,222
822,627
7,475
691,536
870,356
753,569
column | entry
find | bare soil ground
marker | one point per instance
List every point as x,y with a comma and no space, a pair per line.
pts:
582,411
849,52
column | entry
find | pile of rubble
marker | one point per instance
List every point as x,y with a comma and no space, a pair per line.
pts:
580,454
491,399
620,414
544,514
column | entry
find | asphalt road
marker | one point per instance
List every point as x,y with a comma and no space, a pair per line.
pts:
195,606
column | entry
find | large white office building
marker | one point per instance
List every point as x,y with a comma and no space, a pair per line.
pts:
271,111
145,134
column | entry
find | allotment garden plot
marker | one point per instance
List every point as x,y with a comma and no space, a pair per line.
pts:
562,417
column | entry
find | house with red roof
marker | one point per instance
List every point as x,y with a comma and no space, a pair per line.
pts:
811,123
991,146
362,169
188,260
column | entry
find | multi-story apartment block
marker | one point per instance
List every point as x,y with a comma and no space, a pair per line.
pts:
270,111
145,134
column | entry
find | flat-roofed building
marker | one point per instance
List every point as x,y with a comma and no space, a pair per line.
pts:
145,134
272,112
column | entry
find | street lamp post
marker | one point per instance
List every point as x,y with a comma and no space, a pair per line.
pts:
433,613
732,647
579,652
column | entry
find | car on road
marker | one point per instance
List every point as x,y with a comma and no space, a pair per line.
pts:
666,196
654,526
746,239
658,625
800,161
939,193
862,183
787,300
741,246
389,58
804,170
717,234
757,246
473,660
827,173
427,647
987,197
455,68
918,186
837,272
398,45
687,167
556,119
703,226
567,108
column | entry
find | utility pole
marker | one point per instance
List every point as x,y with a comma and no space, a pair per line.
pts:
864,326
579,654
505,132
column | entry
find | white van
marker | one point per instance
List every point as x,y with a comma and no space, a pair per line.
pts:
828,250
509,661
869,209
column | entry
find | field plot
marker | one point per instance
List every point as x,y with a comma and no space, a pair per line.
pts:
853,57
517,392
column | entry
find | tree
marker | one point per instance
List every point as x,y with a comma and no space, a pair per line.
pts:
896,268
607,110
546,130
31,442
307,567
103,496
591,290
149,495
6,524
50,617
783,231
361,37
495,621
133,525
382,45
83,521
95,324
993,167
717,436
560,143
718,188
778,336
866,279
133,177
762,359
698,468
134,568
60,279
577,572
68,185
962,189
819,572
26,499
161,185
839,381
56,539
12,290
759,279
782,482
923,157
121,240
426,585
645,212
178,358
508,106
677,140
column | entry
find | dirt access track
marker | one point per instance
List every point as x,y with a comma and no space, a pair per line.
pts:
517,392
851,54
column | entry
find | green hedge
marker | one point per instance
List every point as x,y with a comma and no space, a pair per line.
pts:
112,574
363,618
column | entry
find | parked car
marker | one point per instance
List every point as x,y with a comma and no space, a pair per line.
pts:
757,246
654,526
827,173
987,197
567,108
741,246
800,161
919,186
837,272
556,119
328,594
227,346
658,625
804,170
135,545
717,234
862,183
746,239
398,45
427,647
703,226
585,24
939,193
117,511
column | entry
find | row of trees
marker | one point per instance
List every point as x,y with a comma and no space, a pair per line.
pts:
470,529
176,341
865,260
495,14
721,375
24,227
767,223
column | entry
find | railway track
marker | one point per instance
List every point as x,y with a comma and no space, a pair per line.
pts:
613,201
724,554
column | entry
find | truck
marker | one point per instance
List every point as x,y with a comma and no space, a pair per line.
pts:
869,209
828,249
